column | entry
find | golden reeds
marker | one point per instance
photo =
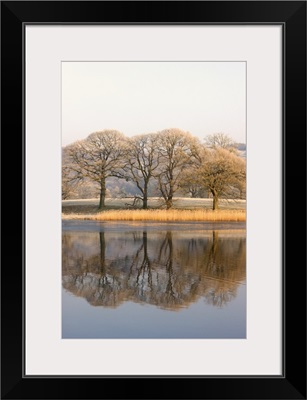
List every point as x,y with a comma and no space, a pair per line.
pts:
163,215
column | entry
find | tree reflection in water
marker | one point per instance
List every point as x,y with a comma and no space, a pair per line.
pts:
169,269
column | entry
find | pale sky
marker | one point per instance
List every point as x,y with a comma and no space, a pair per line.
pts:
143,97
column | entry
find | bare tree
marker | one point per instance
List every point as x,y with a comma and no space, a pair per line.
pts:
142,162
190,178
69,185
98,157
219,140
176,152
70,180
220,172
191,184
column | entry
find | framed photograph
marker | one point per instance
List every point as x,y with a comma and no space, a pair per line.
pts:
163,148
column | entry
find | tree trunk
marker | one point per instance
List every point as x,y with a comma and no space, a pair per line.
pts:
169,203
215,205
145,197
102,194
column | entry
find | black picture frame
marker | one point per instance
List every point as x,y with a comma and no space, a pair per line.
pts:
292,16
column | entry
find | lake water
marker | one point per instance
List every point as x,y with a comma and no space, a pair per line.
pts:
153,280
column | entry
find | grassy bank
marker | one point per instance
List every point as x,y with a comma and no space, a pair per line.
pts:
163,215
185,209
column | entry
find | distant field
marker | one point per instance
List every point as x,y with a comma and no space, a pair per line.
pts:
154,202
87,208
